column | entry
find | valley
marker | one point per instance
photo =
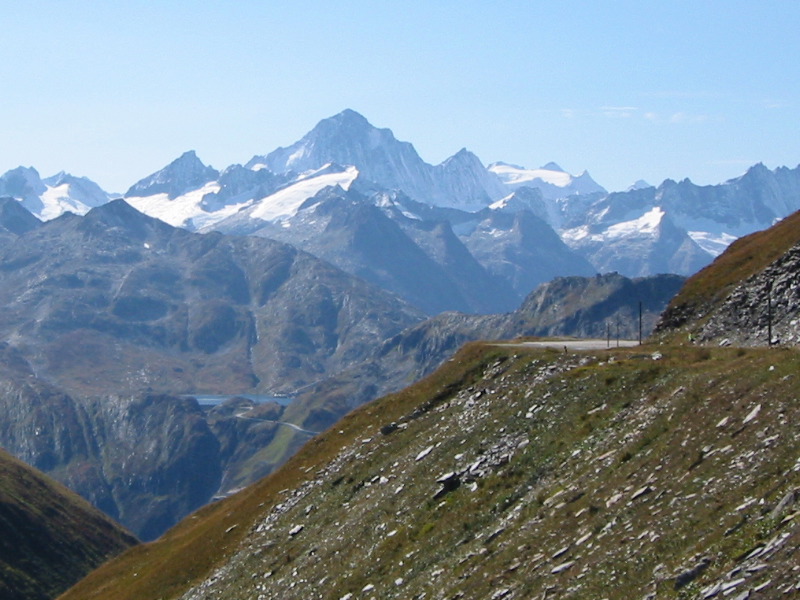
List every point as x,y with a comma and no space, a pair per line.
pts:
402,363
517,472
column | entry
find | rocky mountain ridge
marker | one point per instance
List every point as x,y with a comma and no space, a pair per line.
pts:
676,227
126,288
747,297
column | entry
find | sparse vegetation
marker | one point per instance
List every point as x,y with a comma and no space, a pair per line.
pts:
632,483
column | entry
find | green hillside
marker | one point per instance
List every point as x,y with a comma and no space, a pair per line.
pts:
50,536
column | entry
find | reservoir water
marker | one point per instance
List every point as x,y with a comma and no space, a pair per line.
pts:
216,399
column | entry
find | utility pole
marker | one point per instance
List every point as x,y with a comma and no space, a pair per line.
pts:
769,313
640,322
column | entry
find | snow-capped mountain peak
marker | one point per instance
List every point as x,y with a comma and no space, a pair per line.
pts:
349,139
346,138
49,198
185,173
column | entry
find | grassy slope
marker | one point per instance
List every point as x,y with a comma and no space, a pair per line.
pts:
628,471
50,536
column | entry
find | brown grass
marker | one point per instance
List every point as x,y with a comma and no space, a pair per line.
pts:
744,257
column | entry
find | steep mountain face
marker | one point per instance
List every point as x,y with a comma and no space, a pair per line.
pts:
157,308
663,471
51,536
147,460
649,244
349,139
14,219
378,239
185,173
521,248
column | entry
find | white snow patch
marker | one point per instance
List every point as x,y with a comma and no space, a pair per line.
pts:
646,224
296,156
57,201
501,204
513,175
183,210
713,243
575,234
285,203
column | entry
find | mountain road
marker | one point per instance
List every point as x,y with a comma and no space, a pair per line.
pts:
573,344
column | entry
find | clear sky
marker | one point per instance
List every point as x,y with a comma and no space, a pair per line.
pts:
645,89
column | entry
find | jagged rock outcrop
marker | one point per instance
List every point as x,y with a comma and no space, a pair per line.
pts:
762,310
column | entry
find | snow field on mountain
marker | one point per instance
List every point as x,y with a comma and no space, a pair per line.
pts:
58,200
512,175
183,210
285,203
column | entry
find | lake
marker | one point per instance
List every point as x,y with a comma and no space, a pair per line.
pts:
216,399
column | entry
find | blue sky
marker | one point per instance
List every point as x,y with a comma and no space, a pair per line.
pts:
648,89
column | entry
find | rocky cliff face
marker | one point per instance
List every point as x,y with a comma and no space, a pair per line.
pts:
146,461
762,310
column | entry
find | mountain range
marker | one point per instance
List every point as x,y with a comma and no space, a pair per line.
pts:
666,470
298,286
115,321
453,236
